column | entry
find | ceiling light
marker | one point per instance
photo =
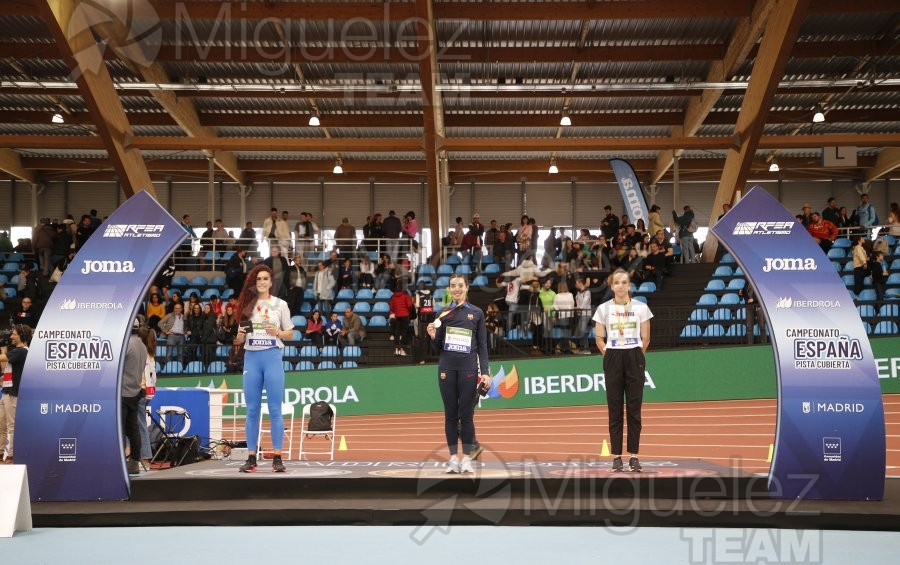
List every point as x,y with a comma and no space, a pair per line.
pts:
553,168
565,120
58,118
314,118
819,116
774,168
338,169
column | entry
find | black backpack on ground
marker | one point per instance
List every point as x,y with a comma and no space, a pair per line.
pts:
320,417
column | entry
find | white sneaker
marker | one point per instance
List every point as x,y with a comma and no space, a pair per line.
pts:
391,338
402,352
466,465
452,466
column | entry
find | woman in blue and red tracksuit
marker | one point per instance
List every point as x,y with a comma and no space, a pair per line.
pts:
460,335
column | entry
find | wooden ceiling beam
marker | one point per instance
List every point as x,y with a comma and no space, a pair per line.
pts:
11,163
888,160
95,85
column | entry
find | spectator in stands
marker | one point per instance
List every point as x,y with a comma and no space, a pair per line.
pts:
323,288
823,231
270,324
456,233
865,216
156,311
384,271
208,339
62,244
410,233
345,237
247,242
623,335
345,275
893,220
860,263
275,231
831,212
464,353
185,252
805,215
352,330
132,373
653,268
564,309
643,246
552,246
401,308
536,318
490,235
372,232
844,219
583,311
502,250
174,326
366,272
494,325
471,249
85,230
315,326
281,272
23,245
523,239
226,326
392,228
688,255
193,333
216,305
173,300
206,244
42,242
609,225
6,245
656,222
297,282
12,357
332,329
633,263
879,270
236,270
632,237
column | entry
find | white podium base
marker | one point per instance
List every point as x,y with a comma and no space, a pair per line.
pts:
15,503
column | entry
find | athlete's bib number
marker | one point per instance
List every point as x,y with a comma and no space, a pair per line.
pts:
458,339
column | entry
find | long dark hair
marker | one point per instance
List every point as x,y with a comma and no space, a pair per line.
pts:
249,295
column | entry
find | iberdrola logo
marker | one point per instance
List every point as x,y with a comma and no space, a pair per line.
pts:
503,384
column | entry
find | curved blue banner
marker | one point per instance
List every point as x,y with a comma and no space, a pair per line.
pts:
632,194
830,434
68,423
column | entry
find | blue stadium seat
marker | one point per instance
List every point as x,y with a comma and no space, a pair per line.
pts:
222,351
866,310
195,367
209,293
895,265
309,351
842,243
427,281
714,330
298,335
217,367
345,294
722,271
365,294
173,368
326,365
330,351
383,294
516,334
193,290
291,351
648,286
738,272
836,253
442,282
715,285
736,330
362,308
180,281
463,270
691,330
848,280
699,315
340,306
480,280
736,284
730,298
10,267
377,322
708,300
867,295
886,327
452,260
893,279
727,258
306,307
492,269
308,294
288,366
722,314
889,310
299,321
228,293
640,298
381,308
439,294
741,314
426,269
349,365
199,281
352,352
444,269
305,366
217,280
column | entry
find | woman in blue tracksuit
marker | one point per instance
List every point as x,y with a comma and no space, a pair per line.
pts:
459,332
269,324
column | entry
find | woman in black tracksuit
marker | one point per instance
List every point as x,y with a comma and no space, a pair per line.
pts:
460,334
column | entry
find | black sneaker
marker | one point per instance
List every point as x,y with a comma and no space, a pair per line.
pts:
476,451
249,466
134,467
634,464
277,465
617,465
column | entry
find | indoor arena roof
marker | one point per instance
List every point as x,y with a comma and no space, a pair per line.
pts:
448,89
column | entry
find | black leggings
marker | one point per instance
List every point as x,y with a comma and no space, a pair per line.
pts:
458,393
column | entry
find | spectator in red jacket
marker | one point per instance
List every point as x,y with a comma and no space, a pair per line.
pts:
401,308
823,231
